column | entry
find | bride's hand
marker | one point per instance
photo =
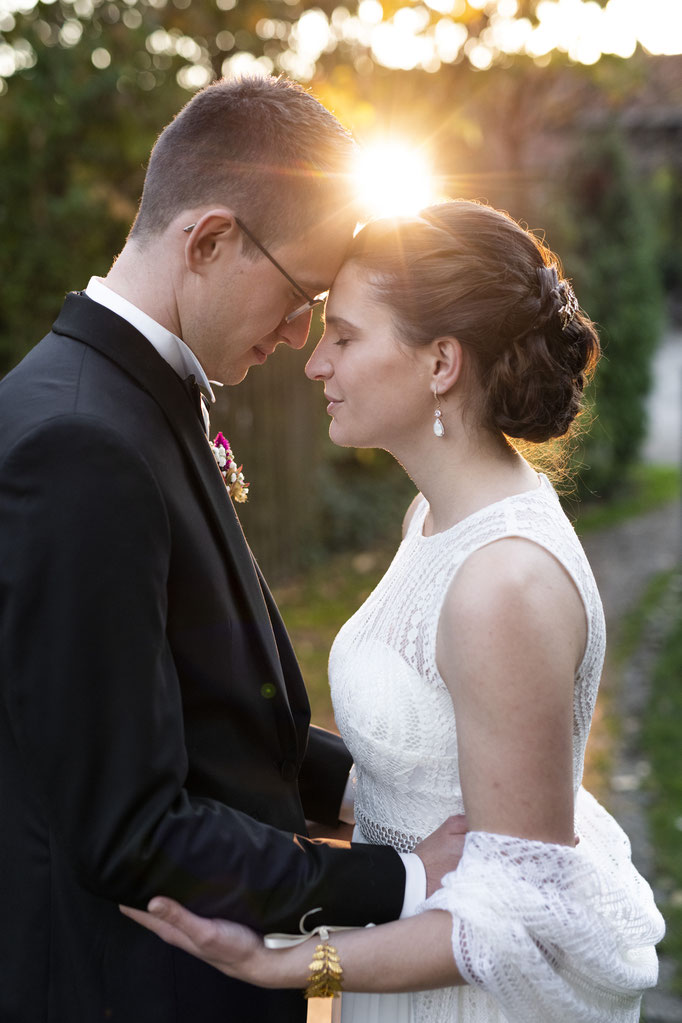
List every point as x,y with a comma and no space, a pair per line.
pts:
231,948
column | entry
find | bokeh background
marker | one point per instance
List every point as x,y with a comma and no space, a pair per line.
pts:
566,113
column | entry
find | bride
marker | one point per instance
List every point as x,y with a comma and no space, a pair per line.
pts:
467,681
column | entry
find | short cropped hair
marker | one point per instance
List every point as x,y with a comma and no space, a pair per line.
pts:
262,146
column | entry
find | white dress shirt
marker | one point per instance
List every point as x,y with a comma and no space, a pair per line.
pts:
182,359
176,353
415,874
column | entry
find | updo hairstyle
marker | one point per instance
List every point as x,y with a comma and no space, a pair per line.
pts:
462,269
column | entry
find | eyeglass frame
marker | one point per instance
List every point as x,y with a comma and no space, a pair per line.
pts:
310,303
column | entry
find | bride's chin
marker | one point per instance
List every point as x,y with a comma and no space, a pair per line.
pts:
343,438
335,435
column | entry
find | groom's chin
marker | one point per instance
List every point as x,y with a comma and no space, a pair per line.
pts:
232,375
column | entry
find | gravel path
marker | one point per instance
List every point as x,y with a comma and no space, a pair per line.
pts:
624,560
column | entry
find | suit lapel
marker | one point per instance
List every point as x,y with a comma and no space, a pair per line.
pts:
119,341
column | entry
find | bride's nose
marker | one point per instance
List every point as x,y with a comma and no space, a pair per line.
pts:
318,366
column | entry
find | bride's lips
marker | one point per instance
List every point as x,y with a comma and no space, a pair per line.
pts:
332,402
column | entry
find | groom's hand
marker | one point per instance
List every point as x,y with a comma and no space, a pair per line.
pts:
442,850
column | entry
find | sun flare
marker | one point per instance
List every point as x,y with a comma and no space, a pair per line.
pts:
393,180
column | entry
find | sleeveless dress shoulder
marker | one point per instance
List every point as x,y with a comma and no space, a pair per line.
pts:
541,932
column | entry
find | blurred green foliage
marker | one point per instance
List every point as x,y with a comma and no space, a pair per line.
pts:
642,489
316,603
667,195
617,267
73,146
364,495
75,134
661,743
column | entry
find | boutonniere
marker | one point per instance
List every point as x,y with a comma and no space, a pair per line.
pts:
229,470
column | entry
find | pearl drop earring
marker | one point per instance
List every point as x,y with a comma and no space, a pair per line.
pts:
438,427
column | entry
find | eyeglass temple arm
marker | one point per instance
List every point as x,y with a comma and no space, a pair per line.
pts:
268,255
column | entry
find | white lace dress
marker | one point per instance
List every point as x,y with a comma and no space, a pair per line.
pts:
542,933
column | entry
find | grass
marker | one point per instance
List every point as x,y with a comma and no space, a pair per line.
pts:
606,729
316,605
646,488
662,744
634,623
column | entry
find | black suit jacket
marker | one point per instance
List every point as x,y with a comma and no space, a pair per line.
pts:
153,722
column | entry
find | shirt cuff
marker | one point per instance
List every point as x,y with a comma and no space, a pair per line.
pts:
415,883
347,810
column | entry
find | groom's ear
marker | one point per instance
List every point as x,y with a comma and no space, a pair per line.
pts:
211,239
448,363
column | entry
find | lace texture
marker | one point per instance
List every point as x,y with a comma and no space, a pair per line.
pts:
396,717
554,933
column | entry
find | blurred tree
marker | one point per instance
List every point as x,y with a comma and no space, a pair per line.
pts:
491,96
668,191
618,279
73,143
207,39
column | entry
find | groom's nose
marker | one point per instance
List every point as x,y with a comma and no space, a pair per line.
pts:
295,333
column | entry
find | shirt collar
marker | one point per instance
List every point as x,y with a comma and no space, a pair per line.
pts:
173,349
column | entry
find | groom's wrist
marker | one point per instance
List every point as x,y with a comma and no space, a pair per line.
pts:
347,809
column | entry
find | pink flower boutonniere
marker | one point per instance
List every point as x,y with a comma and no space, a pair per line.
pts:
229,470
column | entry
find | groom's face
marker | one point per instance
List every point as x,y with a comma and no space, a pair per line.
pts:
246,300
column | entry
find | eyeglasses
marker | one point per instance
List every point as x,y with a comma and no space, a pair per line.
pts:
309,303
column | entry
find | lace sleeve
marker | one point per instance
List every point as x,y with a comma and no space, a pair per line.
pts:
552,934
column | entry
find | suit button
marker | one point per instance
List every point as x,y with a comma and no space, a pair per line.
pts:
289,770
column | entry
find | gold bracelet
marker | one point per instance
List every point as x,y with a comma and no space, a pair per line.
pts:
326,972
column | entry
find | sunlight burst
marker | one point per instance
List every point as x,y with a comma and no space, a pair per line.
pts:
393,180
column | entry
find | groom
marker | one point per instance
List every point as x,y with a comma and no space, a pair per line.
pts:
154,730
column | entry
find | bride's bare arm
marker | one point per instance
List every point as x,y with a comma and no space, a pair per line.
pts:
511,635
407,955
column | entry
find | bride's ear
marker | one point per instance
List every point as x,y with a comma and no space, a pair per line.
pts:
448,363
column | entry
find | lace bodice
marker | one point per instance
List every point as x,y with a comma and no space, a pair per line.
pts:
391,704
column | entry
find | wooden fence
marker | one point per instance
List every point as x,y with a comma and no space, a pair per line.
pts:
274,421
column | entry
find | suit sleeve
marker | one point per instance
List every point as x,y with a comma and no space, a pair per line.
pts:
95,708
323,776
327,763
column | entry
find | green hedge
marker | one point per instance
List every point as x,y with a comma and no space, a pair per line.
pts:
616,266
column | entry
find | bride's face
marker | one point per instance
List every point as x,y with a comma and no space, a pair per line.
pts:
378,389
